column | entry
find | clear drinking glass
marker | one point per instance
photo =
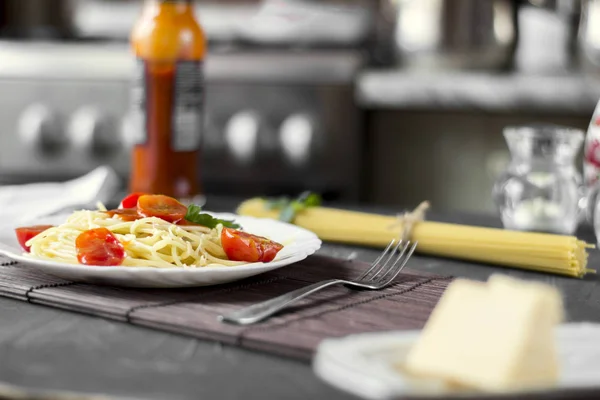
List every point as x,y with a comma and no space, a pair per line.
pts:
541,188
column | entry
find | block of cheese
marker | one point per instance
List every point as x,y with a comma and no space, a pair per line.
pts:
496,336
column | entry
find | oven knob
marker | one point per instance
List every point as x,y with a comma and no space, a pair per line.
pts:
241,135
133,129
128,130
296,137
212,140
39,128
92,132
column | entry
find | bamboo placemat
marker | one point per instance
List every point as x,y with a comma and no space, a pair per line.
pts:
333,312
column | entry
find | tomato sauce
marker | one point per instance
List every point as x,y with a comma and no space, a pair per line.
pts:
131,214
170,47
125,214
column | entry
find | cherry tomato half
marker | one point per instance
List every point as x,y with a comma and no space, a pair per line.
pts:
185,222
130,201
163,207
28,232
125,214
99,247
242,246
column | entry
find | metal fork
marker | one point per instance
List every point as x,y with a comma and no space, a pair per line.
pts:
381,274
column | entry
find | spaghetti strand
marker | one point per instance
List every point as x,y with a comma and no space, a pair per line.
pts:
148,242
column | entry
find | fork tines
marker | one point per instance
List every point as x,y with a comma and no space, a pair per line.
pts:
389,264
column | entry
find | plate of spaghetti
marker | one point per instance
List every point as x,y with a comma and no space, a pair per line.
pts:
156,241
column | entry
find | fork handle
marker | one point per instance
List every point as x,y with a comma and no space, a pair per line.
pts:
260,311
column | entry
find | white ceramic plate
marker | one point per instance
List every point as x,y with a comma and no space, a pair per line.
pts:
298,244
366,364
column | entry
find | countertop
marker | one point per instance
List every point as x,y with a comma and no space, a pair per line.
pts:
43,348
569,93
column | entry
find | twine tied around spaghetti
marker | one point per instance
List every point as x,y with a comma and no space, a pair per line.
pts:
408,220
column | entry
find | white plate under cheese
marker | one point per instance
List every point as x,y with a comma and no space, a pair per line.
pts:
366,364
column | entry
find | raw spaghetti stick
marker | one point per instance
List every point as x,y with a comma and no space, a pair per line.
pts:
555,254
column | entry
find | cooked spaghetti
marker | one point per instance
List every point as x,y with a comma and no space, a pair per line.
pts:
149,242
147,231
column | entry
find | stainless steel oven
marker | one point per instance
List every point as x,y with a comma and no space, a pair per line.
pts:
277,121
279,118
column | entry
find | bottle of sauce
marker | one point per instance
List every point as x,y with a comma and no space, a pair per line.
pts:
167,97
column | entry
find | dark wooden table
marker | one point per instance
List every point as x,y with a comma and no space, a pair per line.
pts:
48,349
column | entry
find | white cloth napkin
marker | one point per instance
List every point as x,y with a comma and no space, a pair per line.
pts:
20,204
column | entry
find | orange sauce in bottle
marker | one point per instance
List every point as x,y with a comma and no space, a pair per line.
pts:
168,92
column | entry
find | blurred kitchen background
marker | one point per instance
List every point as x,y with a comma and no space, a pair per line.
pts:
386,102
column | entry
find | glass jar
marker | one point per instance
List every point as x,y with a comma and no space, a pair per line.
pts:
541,187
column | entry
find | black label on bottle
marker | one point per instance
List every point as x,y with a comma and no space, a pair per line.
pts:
188,103
137,132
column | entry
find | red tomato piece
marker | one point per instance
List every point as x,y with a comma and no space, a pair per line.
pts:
130,201
242,246
28,232
99,247
160,206
185,222
125,214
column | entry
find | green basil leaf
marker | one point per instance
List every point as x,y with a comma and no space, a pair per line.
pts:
313,200
290,208
194,214
278,203
287,214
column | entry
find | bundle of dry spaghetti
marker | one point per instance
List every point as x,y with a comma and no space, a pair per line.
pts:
556,254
